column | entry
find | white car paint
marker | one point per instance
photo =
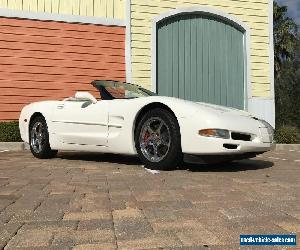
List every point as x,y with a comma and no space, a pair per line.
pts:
108,125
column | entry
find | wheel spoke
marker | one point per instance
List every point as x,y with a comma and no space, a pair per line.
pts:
158,130
149,129
155,152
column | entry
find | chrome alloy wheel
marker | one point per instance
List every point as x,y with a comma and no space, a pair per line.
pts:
155,139
37,139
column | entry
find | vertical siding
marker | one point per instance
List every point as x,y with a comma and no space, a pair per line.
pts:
98,8
52,60
252,12
224,60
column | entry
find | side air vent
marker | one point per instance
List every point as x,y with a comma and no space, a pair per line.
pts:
240,136
230,146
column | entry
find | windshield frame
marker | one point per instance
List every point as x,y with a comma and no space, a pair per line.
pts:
102,85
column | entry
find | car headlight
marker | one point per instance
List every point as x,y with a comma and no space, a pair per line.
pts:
218,133
268,126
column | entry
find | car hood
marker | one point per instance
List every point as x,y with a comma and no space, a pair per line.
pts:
222,109
190,106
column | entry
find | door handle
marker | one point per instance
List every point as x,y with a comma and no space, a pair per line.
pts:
61,106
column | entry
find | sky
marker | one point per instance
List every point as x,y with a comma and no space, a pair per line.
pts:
293,9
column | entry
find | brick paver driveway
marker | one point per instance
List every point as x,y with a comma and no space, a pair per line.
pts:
109,202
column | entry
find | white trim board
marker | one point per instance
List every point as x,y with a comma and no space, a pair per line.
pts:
128,42
272,94
263,108
61,17
214,12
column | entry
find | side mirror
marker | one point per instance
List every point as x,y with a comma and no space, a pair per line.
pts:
85,96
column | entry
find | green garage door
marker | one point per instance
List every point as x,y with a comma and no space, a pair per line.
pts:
201,58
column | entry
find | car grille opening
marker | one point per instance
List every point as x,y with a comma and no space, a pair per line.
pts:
240,136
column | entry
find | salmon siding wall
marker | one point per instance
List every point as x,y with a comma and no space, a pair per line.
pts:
44,60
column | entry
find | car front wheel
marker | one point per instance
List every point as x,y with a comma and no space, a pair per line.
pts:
157,140
39,139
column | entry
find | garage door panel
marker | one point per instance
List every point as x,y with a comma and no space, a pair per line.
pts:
181,65
175,59
194,58
205,76
209,61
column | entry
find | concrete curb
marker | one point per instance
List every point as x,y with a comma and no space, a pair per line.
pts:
295,147
20,146
13,146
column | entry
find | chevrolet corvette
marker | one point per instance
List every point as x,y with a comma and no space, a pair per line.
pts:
128,119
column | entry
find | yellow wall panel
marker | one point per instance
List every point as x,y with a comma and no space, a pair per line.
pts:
75,7
29,5
120,9
110,9
41,5
260,72
3,3
48,6
259,5
98,8
89,7
65,7
251,12
26,5
14,4
55,6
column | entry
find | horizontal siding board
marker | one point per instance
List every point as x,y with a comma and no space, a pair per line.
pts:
235,10
139,24
137,17
60,78
62,71
9,115
246,4
38,92
51,60
17,30
87,58
61,41
62,49
145,38
60,64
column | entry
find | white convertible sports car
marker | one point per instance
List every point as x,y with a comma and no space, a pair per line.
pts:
128,119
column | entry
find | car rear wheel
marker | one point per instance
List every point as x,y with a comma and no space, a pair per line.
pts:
157,140
39,139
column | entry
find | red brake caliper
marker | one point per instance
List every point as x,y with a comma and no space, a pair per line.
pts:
146,137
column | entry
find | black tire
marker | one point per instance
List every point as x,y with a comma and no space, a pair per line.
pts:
44,151
173,156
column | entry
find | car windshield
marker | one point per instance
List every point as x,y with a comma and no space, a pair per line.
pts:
120,90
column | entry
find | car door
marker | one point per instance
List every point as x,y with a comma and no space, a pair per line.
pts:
81,122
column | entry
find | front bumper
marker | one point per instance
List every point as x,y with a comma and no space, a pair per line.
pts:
210,146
